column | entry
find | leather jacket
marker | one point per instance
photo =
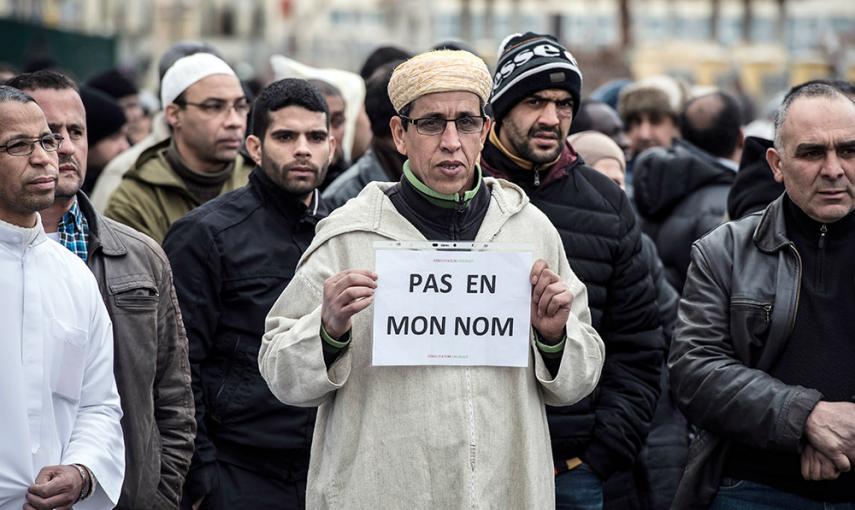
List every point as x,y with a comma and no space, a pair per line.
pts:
737,312
151,365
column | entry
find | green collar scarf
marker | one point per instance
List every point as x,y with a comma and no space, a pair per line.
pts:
441,199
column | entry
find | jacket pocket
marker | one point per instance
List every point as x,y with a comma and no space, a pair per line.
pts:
750,321
135,294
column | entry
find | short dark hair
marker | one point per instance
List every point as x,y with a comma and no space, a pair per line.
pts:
847,87
44,79
816,88
380,57
10,94
715,129
326,88
583,121
378,106
281,94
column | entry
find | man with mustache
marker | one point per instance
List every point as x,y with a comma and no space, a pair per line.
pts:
206,109
536,93
62,441
133,274
429,436
232,258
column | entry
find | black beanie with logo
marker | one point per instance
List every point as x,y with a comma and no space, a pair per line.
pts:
529,63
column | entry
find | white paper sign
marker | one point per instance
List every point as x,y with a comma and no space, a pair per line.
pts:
458,306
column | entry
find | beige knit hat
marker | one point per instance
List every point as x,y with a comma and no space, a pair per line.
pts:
594,146
439,71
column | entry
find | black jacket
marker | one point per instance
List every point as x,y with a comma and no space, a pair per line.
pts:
754,187
735,317
603,244
232,258
680,194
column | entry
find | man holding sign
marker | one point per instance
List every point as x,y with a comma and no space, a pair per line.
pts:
436,436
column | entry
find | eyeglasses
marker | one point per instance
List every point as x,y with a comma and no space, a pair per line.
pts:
26,146
218,108
563,107
431,126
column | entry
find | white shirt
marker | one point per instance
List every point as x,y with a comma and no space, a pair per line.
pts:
58,395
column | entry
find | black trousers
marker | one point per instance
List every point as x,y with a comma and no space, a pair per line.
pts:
243,489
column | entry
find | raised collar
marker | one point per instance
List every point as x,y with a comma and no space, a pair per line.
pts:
73,215
499,162
102,234
18,239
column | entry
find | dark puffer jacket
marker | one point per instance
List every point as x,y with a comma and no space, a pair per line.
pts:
680,194
754,187
603,244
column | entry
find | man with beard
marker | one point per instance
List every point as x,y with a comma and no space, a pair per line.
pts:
536,93
206,109
133,274
61,443
232,258
649,109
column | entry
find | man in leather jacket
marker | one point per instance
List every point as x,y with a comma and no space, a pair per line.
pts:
762,355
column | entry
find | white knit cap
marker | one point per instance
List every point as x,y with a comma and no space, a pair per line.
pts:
187,71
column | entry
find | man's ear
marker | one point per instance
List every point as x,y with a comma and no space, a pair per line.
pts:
171,115
773,157
397,127
253,147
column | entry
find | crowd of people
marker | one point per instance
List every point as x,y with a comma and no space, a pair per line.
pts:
189,290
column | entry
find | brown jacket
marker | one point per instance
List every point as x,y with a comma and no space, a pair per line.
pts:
151,366
152,197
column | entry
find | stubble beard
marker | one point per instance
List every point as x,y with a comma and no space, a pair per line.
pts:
523,145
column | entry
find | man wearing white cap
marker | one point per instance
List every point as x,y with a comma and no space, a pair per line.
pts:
206,109
428,436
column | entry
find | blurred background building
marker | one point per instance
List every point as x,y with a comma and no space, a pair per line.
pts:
756,46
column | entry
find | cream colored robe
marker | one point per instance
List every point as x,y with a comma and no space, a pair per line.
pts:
423,437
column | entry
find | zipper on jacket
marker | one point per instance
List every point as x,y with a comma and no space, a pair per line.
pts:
798,288
767,308
536,178
459,211
820,257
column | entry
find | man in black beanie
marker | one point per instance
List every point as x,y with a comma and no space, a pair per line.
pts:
118,86
105,122
536,93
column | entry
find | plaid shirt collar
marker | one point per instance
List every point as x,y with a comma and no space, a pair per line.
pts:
73,231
